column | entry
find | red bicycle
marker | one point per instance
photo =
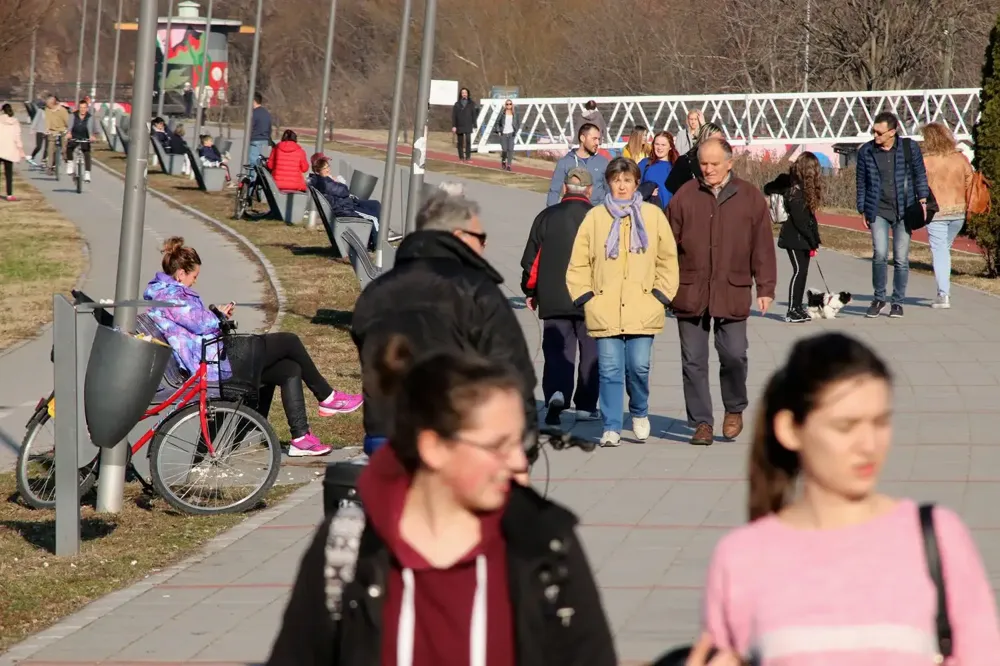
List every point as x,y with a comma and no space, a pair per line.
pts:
205,450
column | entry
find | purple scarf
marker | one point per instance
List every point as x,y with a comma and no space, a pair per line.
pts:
638,241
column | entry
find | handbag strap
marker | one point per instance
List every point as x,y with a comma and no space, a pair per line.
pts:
907,164
936,572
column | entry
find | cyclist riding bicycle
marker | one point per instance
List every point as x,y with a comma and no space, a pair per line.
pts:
81,131
57,123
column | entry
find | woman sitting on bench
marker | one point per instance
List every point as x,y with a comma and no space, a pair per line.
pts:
287,364
287,163
342,202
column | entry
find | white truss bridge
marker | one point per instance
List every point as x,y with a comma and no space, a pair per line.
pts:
759,119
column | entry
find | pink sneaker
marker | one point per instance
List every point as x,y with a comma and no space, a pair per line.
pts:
308,446
340,403
11,198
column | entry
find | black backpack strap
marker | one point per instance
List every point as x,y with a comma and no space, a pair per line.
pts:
936,572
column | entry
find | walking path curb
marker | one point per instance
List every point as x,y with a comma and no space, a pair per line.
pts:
101,607
272,276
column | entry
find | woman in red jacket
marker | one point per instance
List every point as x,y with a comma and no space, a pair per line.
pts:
288,163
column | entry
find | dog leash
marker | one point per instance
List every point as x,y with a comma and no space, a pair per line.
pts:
821,276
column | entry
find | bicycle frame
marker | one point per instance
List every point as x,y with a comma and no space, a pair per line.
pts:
196,384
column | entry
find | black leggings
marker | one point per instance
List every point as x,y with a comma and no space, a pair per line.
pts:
800,272
464,146
84,146
8,173
39,145
287,365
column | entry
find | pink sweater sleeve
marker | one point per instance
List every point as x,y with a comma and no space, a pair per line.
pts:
728,632
971,606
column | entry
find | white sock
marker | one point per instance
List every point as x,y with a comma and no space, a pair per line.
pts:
331,396
299,439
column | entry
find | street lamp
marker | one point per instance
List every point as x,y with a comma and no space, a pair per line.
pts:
419,153
97,47
79,56
252,83
206,36
166,51
389,177
324,94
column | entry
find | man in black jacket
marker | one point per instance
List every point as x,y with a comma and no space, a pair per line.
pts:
543,281
441,293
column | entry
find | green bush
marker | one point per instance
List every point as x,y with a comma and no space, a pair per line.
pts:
985,229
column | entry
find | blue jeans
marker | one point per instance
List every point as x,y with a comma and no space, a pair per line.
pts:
942,232
253,155
623,365
880,257
372,443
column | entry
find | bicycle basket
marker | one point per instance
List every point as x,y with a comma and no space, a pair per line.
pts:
244,354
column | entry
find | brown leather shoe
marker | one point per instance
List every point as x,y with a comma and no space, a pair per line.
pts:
703,435
732,425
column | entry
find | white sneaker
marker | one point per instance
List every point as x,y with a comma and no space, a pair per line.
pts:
640,427
611,438
86,176
69,168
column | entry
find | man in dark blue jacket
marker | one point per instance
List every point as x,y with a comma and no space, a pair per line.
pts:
260,132
891,186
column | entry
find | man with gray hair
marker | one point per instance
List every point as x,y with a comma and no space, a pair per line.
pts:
441,294
543,281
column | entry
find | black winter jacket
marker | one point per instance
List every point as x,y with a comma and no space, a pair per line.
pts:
799,231
440,295
550,243
685,168
557,612
463,118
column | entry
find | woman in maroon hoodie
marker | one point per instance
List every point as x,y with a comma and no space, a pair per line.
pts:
456,564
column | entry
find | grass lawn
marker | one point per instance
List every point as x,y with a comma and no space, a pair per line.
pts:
41,253
116,550
320,291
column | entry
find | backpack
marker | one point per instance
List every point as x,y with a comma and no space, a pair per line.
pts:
977,198
776,204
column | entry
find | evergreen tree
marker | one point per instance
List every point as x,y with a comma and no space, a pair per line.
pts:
985,229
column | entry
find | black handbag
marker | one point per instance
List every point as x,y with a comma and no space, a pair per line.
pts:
678,656
913,212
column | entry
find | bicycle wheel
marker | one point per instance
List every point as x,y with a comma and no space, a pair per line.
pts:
78,175
56,161
192,481
240,205
36,465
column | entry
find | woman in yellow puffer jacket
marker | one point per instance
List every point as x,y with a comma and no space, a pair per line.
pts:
623,271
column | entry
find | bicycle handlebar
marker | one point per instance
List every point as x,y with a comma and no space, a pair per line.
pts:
225,324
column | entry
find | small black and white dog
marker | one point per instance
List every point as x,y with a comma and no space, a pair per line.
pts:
823,305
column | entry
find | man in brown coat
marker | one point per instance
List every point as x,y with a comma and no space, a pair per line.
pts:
724,243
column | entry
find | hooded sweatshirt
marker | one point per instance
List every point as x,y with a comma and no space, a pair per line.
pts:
595,164
11,148
438,617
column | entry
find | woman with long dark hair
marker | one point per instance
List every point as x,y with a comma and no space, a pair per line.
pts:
802,190
829,570
450,561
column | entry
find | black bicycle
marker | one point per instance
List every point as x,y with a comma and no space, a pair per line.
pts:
56,154
249,191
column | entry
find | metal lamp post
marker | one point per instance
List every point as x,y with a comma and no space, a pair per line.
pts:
166,50
114,66
31,67
207,36
324,94
252,82
111,486
418,155
97,47
79,56
389,177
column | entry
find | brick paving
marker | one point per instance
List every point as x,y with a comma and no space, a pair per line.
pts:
650,513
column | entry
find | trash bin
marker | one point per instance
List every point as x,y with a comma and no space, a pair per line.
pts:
363,184
340,486
122,376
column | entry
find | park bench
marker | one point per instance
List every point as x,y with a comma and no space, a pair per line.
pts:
210,179
223,144
336,226
287,205
109,136
360,259
169,163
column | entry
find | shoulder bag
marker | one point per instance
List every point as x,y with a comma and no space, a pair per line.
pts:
913,213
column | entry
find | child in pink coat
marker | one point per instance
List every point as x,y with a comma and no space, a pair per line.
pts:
11,148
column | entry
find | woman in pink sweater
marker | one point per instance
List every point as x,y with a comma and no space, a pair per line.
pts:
829,572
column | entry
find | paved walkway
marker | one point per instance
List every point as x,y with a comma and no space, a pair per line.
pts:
25,373
650,513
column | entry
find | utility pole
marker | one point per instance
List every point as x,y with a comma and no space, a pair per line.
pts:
206,36
252,82
111,486
805,74
163,67
418,156
389,177
79,54
324,94
949,52
97,47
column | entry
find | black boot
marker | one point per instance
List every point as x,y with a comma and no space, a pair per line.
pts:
294,402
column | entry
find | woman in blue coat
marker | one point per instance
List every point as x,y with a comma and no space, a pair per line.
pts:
656,167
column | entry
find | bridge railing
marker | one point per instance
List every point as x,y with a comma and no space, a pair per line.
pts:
778,119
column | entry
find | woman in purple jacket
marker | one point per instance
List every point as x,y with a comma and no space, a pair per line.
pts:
287,364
